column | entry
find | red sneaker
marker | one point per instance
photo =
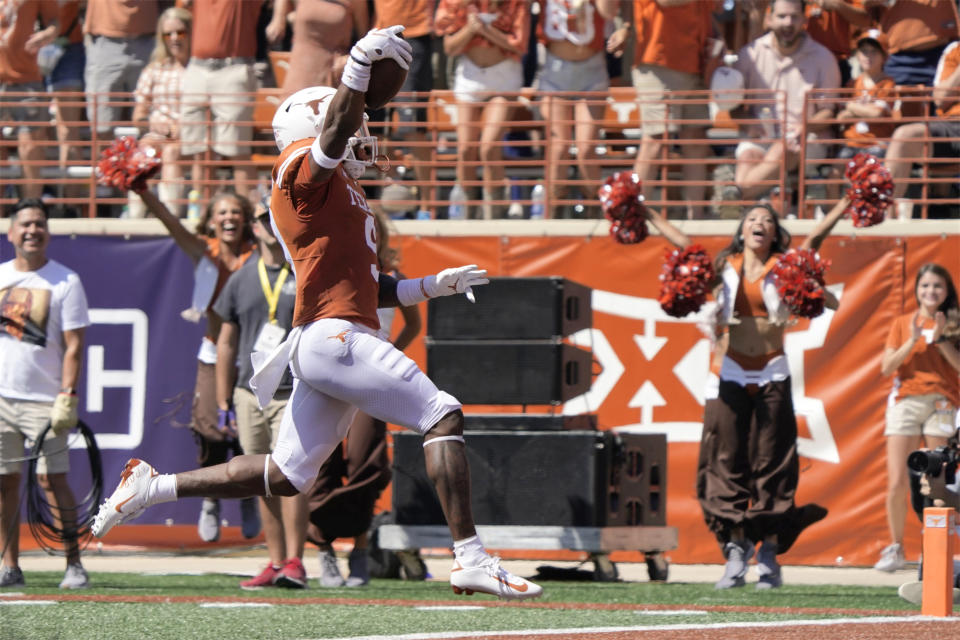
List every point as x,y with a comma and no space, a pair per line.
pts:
293,575
267,578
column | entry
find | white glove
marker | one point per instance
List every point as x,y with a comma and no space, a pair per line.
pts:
63,415
380,44
456,280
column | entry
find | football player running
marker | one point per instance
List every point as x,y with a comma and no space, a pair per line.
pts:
327,230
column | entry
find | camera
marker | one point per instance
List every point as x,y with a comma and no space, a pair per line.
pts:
931,462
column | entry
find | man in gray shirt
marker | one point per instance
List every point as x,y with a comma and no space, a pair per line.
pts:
256,306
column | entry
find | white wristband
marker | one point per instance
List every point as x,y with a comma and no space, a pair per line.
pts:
411,292
323,159
356,74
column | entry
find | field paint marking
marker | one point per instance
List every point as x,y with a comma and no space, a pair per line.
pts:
233,605
13,594
4,603
444,635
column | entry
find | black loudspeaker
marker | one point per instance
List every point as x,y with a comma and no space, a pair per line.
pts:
571,478
512,309
529,422
509,371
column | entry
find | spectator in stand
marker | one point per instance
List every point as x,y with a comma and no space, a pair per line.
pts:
918,30
874,95
19,72
67,75
343,497
832,23
671,44
490,37
219,73
417,18
256,307
323,31
573,33
158,104
785,59
925,393
908,143
222,243
118,45
43,316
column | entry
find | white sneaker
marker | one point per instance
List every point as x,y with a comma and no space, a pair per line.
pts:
912,592
75,578
490,577
128,500
891,558
208,526
329,571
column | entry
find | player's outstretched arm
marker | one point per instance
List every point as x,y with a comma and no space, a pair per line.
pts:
448,282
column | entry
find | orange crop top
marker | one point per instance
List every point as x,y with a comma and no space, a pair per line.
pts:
749,300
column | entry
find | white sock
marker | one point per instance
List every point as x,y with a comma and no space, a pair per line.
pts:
163,488
469,552
904,209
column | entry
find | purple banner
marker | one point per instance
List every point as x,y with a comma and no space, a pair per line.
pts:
139,361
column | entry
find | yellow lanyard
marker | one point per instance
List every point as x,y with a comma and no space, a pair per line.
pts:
272,295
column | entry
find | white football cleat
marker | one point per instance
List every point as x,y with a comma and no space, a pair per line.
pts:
129,499
490,577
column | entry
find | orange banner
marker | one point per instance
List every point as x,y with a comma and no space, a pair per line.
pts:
651,369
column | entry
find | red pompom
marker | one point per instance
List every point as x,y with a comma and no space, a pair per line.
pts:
126,165
871,190
622,204
798,275
684,280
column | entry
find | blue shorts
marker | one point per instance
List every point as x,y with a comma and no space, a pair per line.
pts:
68,74
914,67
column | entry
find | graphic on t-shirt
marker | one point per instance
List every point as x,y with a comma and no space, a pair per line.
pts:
24,313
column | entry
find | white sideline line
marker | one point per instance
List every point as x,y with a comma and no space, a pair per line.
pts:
5,603
444,635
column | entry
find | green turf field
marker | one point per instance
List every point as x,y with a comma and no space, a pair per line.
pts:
130,606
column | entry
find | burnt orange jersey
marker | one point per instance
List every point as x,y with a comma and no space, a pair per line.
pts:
329,235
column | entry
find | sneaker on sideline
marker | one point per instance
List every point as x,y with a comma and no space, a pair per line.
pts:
489,577
249,518
891,558
768,569
329,571
11,577
912,592
128,500
75,577
359,569
737,555
208,526
293,575
266,578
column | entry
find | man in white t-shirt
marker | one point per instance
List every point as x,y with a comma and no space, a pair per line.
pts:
43,314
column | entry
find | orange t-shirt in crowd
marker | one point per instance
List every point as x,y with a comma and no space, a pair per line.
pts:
884,93
16,65
329,234
415,15
560,21
121,18
920,24
223,271
925,370
513,19
672,37
949,62
234,23
831,29
70,15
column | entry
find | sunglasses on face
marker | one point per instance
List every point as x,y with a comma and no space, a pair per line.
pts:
180,33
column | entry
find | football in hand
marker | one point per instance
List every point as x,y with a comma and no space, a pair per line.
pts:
386,78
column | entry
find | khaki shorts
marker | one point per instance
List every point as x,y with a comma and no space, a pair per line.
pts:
210,94
256,428
21,421
651,82
930,414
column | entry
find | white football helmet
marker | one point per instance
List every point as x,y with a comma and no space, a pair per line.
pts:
301,116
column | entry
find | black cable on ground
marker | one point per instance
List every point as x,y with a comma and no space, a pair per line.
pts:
42,517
